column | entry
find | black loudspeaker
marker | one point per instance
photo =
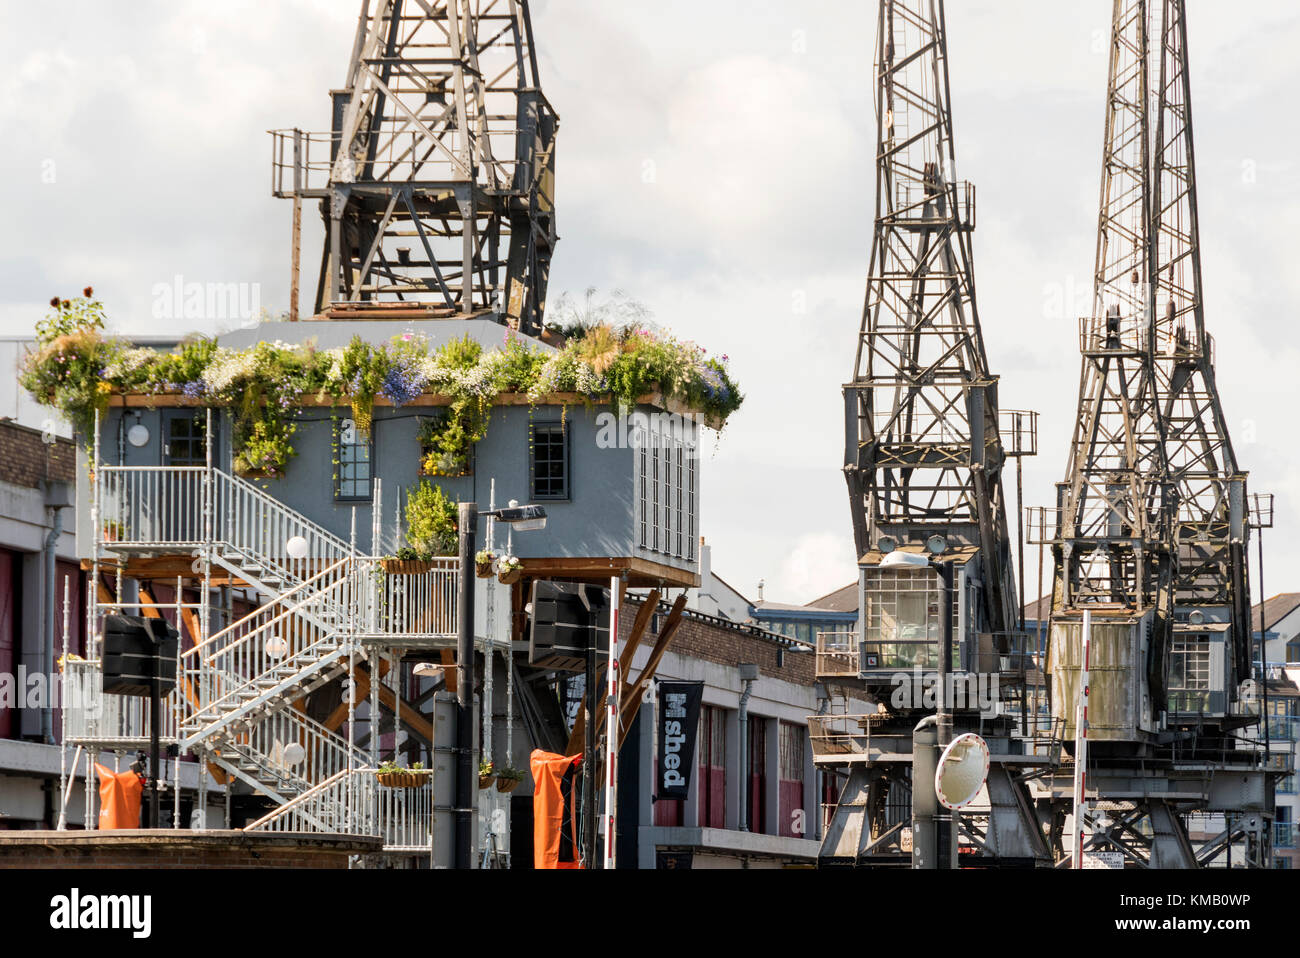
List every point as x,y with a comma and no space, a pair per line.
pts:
568,619
136,650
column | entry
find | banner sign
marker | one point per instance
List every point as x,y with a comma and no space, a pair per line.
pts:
679,721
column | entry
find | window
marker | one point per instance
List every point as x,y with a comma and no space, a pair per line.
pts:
353,472
1189,673
1190,662
666,494
184,439
792,815
713,767
549,461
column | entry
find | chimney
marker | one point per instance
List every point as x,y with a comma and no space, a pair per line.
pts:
760,590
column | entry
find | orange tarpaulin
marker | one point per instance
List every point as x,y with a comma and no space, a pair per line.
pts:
554,830
119,798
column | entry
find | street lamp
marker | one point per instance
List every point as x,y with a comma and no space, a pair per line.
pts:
516,517
933,734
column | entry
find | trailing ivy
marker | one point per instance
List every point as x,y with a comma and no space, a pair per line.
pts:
76,368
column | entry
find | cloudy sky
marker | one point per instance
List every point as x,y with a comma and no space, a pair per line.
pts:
716,164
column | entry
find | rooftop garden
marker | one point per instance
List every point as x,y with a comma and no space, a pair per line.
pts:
76,367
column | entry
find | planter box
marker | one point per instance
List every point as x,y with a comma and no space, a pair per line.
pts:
404,779
406,566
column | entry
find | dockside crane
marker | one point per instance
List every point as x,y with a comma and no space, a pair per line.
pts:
436,181
924,461
1150,530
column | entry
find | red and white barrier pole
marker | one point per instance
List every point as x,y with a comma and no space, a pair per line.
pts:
612,727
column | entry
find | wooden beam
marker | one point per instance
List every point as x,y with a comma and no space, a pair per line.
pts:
639,625
631,700
409,716
191,623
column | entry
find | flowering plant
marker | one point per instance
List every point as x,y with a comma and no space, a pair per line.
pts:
609,351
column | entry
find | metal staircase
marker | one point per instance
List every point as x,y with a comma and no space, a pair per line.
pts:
240,702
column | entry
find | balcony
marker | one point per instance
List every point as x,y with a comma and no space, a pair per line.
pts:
98,720
838,655
1284,835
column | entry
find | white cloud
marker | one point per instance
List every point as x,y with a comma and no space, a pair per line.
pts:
753,237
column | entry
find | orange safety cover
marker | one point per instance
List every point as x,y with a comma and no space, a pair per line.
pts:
553,797
119,798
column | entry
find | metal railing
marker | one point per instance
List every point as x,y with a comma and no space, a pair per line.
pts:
1187,702
272,644
1284,835
837,654
840,734
1283,728
235,687
267,746
261,529
109,719
420,604
152,506
356,804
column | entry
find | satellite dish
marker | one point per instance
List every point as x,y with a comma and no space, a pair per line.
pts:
963,768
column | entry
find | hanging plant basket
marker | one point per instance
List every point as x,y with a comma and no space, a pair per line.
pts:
485,781
403,779
406,566
511,576
507,785
483,570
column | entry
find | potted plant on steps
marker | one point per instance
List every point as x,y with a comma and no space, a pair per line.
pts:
483,562
508,779
485,774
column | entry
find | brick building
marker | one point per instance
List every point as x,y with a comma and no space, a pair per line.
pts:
784,793
37,535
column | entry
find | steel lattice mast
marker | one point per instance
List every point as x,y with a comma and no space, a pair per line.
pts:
924,452
437,180
1211,528
1115,503
924,459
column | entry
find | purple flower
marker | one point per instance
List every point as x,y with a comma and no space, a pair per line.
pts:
401,385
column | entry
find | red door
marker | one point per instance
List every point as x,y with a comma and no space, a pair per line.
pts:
793,816
9,567
757,772
713,767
